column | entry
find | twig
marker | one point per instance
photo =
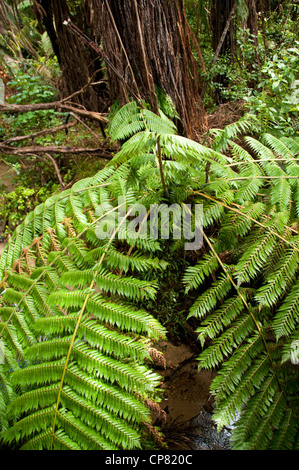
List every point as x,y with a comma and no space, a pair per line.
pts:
220,44
52,160
39,133
57,105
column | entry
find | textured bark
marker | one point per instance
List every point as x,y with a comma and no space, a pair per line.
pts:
146,43
77,63
151,45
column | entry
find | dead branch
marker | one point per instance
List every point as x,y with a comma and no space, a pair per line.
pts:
57,105
32,136
6,149
64,104
52,160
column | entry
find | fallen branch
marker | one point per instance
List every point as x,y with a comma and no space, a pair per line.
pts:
33,135
56,105
6,149
62,105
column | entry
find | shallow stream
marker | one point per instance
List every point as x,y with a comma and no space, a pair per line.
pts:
187,402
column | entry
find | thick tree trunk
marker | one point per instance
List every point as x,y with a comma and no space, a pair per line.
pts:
77,63
149,44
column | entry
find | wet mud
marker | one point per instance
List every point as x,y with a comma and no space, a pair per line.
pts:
187,402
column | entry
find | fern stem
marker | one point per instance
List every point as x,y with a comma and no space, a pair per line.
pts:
78,324
249,311
246,216
161,165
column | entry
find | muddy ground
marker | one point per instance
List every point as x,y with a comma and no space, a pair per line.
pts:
6,178
187,403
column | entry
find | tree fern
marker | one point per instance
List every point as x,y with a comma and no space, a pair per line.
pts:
75,319
86,360
261,245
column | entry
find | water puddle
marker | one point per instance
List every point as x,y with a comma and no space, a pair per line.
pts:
187,421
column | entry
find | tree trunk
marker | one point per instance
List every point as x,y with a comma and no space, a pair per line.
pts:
252,23
148,43
77,63
220,14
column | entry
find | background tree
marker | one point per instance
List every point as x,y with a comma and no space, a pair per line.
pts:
77,62
157,54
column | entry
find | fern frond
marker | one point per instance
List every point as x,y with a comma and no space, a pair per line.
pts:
219,319
194,276
280,279
287,315
207,301
257,253
234,403
74,323
138,262
41,325
226,343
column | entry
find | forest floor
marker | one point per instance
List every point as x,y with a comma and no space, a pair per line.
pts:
187,402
